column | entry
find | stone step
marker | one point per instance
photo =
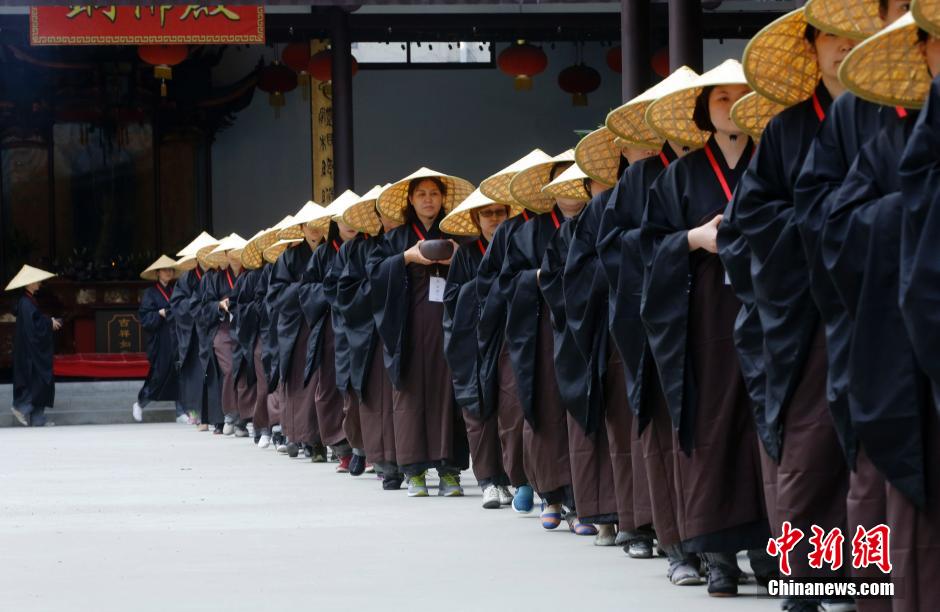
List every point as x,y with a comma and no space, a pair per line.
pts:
92,403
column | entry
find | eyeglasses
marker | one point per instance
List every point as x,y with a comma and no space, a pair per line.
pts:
493,213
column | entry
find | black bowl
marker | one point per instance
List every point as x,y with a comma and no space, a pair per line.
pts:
437,250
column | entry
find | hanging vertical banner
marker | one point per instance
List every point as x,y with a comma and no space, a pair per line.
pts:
167,24
321,133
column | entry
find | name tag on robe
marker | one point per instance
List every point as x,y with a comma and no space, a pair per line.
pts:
436,289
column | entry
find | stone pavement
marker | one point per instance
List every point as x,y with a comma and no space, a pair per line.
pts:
160,517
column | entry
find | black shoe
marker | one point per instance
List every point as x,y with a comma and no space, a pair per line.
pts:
392,483
292,450
217,430
357,465
319,453
308,451
257,439
639,548
721,582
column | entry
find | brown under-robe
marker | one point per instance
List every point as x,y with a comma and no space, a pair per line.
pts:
592,475
626,456
510,419
352,427
545,447
276,403
866,505
328,400
485,449
260,415
660,461
299,417
812,479
238,397
423,407
375,413
719,486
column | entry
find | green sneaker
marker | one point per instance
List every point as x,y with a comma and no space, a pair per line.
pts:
417,486
450,486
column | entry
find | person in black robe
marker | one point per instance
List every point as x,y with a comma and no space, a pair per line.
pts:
367,375
247,365
497,384
320,360
587,305
528,338
688,311
461,318
33,347
407,292
298,419
619,252
270,361
207,324
156,318
192,379
580,381
806,479
895,423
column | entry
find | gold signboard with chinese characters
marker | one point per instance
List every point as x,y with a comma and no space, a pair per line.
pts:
118,332
321,133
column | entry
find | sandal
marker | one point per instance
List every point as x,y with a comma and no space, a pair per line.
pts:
578,528
550,520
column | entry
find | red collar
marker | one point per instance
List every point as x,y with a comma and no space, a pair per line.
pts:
228,277
418,231
163,293
820,113
664,159
718,172
555,219
335,246
480,246
198,272
901,111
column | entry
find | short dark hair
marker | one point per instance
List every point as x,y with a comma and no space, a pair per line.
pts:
413,185
922,35
701,115
810,34
558,168
883,6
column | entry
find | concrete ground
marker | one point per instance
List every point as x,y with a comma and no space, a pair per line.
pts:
161,517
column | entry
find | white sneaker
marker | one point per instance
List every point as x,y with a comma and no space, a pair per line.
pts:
228,429
184,419
264,441
138,412
491,498
505,497
251,430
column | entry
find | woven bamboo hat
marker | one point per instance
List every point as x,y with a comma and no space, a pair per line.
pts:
496,187
671,115
856,19
309,212
889,68
218,257
202,255
598,155
569,184
163,263
459,221
526,186
27,276
927,15
393,200
361,214
341,204
779,62
202,240
753,112
321,218
274,251
253,255
628,121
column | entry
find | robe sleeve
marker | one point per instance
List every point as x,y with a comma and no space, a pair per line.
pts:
389,296
460,319
584,280
149,313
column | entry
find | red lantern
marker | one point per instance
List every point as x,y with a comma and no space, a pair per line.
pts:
579,80
522,61
277,79
615,59
321,65
162,57
296,56
660,62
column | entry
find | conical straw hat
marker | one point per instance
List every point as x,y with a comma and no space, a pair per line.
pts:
753,112
671,115
322,218
202,255
163,263
496,187
459,221
274,251
889,68
361,214
186,263
218,257
27,276
202,240
253,255
927,15
569,184
628,121
779,62
856,19
598,155
393,200
309,212
526,186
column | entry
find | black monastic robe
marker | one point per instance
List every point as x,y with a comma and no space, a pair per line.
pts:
461,317
315,304
246,323
186,307
33,347
283,298
162,379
